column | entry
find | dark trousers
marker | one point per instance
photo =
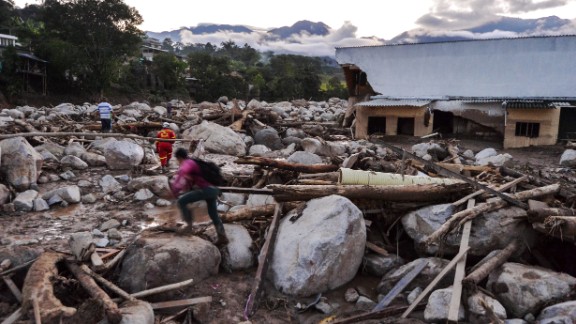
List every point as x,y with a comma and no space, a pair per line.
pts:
209,194
106,125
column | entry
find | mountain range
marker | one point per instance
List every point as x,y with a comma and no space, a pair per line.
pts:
318,39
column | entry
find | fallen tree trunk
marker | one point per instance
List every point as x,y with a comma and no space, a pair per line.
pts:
562,227
38,286
472,280
503,187
468,214
541,214
315,168
399,193
566,192
248,212
66,134
112,312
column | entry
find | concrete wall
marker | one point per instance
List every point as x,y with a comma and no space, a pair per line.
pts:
392,114
549,120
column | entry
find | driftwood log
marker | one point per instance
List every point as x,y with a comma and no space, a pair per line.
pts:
111,308
562,227
315,168
400,193
248,212
472,280
77,134
38,286
541,214
460,218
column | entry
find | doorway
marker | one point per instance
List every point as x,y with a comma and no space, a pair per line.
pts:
443,122
405,126
376,125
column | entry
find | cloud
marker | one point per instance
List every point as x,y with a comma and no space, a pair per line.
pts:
462,14
306,44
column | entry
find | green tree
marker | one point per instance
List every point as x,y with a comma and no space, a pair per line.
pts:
170,70
101,35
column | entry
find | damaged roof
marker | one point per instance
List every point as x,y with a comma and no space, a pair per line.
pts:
394,103
531,67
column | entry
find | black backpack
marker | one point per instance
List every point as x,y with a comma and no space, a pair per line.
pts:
210,172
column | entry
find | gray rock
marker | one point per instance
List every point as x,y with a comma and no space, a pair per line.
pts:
258,150
491,230
102,242
143,194
68,175
219,139
306,158
526,289
321,250
138,312
477,311
365,303
4,194
568,158
413,295
24,201
112,223
53,148
239,254
109,184
434,266
324,307
122,155
438,305
75,149
351,295
114,234
89,199
378,265
268,137
93,159
40,205
73,162
22,168
70,194
165,259
157,184
563,313
485,153
163,203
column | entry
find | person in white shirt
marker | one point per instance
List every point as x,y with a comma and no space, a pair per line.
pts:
106,114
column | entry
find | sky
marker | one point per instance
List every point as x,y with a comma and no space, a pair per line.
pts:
349,20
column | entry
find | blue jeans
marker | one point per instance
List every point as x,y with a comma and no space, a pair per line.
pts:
209,194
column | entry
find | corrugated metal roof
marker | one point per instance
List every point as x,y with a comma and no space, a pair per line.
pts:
528,105
394,103
31,57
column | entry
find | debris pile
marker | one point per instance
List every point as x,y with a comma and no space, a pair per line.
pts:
326,227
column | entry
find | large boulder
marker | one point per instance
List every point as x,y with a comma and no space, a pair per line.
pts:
157,184
239,254
568,158
302,157
320,250
268,137
122,155
491,230
217,139
20,162
525,289
166,259
24,201
70,194
559,313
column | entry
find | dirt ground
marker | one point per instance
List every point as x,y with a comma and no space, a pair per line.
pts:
50,230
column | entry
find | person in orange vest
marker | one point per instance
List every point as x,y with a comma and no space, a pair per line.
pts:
164,149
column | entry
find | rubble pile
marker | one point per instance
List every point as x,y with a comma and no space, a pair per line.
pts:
338,230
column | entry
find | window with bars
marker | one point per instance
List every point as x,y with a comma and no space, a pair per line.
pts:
527,129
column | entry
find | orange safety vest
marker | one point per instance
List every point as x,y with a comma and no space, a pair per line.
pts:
166,134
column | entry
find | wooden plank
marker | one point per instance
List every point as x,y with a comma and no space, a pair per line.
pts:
400,285
14,317
434,282
182,303
501,188
376,248
449,173
460,271
265,255
13,288
36,308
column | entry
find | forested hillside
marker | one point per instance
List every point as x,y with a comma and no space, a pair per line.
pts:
86,49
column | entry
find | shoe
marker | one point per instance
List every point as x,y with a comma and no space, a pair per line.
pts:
163,170
222,238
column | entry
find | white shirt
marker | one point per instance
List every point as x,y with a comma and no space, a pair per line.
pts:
105,110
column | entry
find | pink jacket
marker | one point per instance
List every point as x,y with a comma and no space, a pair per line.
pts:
187,177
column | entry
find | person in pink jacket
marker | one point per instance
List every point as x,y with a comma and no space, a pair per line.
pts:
189,186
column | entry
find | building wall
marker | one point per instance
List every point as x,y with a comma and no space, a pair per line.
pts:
549,120
392,114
